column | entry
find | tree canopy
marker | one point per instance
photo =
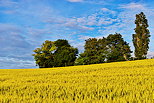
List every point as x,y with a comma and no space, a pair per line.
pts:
118,49
110,49
55,54
141,37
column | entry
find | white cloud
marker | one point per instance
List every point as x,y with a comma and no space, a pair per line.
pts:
105,9
132,6
55,20
15,63
85,23
103,21
71,23
81,20
75,0
97,2
108,10
91,20
8,3
83,37
12,36
150,54
86,28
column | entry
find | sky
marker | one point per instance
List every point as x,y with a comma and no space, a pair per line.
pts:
26,24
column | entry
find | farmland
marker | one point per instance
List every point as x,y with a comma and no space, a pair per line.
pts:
119,82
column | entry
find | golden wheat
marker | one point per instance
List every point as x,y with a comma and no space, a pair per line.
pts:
121,82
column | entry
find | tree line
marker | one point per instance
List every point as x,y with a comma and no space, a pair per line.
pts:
113,48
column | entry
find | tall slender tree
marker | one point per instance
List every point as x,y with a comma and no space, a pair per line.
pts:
141,37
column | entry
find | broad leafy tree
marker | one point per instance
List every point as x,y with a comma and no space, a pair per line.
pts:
44,56
117,48
141,37
93,52
55,54
65,55
110,49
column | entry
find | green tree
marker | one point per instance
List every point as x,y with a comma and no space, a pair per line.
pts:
91,48
102,49
62,43
94,52
110,49
65,55
117,48
141,37
55,54
44,56
81,60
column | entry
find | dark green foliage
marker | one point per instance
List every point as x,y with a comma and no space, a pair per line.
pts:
55,54
91,48
141,38
61,43
65,56
110,49
93,52
118,49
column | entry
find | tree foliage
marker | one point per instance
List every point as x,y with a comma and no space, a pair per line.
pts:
110,49
44,56
65,55
93,52
141,37
118,49
55,54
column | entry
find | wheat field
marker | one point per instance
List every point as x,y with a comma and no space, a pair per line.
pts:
119,82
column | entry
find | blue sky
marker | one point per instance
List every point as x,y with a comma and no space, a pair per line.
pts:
26,24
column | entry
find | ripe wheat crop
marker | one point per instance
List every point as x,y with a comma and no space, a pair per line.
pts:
120,82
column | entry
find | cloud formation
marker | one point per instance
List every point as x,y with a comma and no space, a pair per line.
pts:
108,10
8,3
85,23
13,43
75,0
132,6
150,54
15,63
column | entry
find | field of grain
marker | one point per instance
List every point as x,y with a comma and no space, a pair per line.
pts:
120,82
